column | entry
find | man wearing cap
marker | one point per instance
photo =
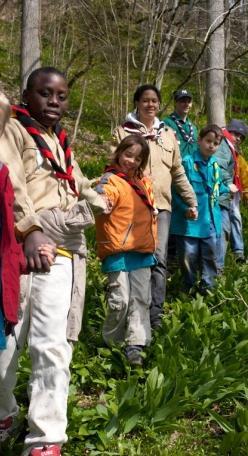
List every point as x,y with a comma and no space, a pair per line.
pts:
234,169
178,120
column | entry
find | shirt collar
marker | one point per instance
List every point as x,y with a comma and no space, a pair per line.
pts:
199,158
132,117
42,128
179,118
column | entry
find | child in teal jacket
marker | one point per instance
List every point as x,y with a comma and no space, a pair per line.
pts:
196,238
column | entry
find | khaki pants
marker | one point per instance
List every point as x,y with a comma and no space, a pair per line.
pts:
45,308
129,299
158,278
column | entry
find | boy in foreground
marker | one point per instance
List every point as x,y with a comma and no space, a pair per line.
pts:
50,207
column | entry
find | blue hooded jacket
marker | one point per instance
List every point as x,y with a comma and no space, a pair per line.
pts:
205,178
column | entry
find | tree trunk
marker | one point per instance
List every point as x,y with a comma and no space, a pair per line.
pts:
165,63
30,39
216,63
149,36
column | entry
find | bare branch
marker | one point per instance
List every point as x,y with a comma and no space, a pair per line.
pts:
79,113
228,70
3,3
238,57
188,77
81,72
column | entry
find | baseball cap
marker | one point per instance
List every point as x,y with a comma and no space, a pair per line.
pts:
183,93
238,126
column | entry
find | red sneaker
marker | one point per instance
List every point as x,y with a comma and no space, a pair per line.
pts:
5,428
47,450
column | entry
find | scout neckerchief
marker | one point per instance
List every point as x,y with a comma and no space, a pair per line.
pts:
189,138
212,192
230,141
30,125
133,128
147,198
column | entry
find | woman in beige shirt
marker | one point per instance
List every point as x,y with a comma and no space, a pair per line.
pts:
165,169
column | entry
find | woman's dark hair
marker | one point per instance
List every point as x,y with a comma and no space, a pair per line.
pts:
211,129
43,70
130,141
141,89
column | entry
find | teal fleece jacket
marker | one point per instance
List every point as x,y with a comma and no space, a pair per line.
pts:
205,178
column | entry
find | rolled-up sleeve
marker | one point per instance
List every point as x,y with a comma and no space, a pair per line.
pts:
85,190
180,180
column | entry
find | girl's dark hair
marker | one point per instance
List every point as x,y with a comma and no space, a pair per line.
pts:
129,141
43,70
212,128
141,89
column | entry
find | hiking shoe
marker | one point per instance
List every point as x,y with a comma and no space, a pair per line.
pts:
6,427
156,324
240,259
47,450
133,354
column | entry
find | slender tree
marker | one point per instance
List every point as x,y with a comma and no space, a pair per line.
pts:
30,39
215,92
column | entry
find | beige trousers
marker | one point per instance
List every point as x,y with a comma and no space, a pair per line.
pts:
129,299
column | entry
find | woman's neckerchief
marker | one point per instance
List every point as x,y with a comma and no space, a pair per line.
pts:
135,128
189,138
146,196
30,125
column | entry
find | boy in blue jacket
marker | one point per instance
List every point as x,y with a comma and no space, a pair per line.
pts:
196,238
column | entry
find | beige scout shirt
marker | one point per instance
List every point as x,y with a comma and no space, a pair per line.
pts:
34,181
165,168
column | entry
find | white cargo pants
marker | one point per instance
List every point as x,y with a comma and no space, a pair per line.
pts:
44,307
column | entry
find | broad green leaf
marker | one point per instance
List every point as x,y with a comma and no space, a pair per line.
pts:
241,345
102,410
83,430
152,379
222,422
112,427
131,423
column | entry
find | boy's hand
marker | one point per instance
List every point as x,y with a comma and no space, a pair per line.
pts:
35,260
233,188
109,204
49,251
192,213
